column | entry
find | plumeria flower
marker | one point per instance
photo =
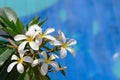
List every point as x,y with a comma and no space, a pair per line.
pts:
28,38
64,45
46,61
19,61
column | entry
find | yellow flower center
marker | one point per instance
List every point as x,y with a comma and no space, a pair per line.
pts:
47,61
20,60
41,35
65,45
30,38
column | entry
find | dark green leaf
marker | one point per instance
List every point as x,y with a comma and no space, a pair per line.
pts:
35,20
5,55
41,23
8,13
19,26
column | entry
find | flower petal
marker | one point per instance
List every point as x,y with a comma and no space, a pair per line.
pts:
44,54
38,41
11,66
28,59
20,68
56,43
35,62
21,47
50,37
71,42
49,30
71,50
63,52
55,65
34,28
62,36
20,37
44,69
34,45
53,56
14,57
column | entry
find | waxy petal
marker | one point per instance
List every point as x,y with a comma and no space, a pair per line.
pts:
44,54
21,47
49,30
50,37
20,37
11,66
34,28
71,50
20,68
38,41
63,52
55,65
44,69
14,57
62,36
53,56
71,42
56,43
35,62
28,59
34,45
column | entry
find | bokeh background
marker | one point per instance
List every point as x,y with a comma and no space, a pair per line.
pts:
95,24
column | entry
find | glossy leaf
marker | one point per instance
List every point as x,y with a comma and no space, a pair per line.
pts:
8,13
5,55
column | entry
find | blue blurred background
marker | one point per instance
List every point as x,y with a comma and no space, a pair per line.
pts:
95,24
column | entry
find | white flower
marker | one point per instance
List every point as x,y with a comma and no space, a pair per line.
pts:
47,61
64,45
19,61
28,38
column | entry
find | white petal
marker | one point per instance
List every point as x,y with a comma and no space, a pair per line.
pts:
20,37
28,59
14,57
63,52
71,42
55,65
53,56
34,45
21,47
44,69
11,66
72,51
62,36
34,28
44,54
50,37
35,62
49,30
38,41
56,43
22,52
20,68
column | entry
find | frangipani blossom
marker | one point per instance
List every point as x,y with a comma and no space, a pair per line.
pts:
19,61
46,61
64,45
28,38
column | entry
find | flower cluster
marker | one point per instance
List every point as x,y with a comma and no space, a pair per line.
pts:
33,50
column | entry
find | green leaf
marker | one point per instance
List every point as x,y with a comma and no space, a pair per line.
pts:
6,36
8,13
41,23
19,26
5,55
35,20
